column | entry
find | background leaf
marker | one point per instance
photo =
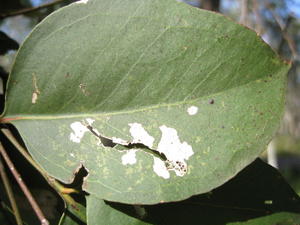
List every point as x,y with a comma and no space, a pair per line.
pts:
276,218
159,74
101,213
74,214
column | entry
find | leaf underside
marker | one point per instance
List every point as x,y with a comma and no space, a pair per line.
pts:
142,71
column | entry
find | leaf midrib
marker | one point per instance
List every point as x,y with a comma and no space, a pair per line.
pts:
147,108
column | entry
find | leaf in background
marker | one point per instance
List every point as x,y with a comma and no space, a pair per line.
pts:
75,214
6,214
101,213
249,198
276,218
189,96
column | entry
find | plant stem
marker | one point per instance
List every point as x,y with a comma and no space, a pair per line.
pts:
259,22
29,10
244,13
24,188
10,194
283,27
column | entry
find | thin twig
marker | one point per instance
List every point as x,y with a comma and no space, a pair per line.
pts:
24,188
259,21
10,194
244,13
283,27
29,10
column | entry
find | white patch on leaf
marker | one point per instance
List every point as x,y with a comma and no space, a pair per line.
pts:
82,2
79,130
129,157
36,91
175,151
34,97
193,110
119,141
140,135
90,121
159,167
172,147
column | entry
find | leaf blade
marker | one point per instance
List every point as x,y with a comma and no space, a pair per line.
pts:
212,84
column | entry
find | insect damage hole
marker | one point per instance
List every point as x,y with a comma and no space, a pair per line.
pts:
80,128
79,176
103,140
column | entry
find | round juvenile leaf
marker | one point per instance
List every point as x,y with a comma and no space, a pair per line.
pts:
157,100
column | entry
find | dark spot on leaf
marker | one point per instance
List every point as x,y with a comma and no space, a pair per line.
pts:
105,141
109,143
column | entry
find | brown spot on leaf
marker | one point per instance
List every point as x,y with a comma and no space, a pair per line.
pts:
83,88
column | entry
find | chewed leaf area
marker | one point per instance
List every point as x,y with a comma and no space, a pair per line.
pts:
171,154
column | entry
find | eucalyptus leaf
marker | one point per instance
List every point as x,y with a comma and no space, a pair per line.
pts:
158,100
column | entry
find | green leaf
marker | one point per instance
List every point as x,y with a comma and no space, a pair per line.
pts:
256,195
276,218
75,214
205,94
101,213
